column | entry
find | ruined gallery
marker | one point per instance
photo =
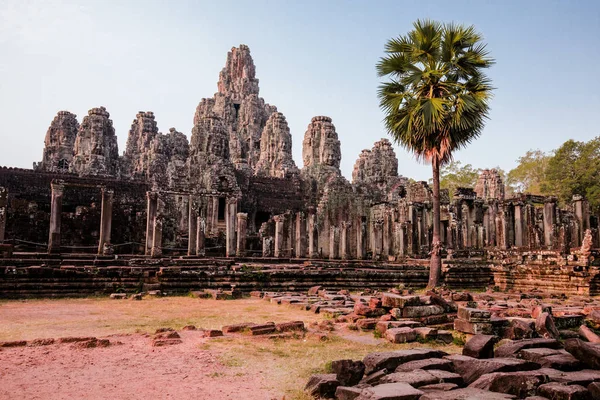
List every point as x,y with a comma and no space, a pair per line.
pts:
180,215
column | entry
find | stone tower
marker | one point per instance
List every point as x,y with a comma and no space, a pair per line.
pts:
142,133
59,143
276,149
96,151
490,185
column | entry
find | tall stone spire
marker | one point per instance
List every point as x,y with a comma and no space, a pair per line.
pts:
96,151
142,133
276,149
59,143
238,79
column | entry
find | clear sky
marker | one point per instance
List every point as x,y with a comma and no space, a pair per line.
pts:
312,58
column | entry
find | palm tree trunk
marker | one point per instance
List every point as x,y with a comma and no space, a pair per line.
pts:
435,263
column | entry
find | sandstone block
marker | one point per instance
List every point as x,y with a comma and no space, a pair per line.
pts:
544,325
520,384
554,390
322,385
512,348
473,314
392,300
348,372
472,369
391,391
401,335
474,328
480,346
587,353
391,359
466,394
421,311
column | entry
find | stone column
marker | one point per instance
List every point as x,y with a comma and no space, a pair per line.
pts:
399,239
192,226
55,214
549,221
344,250
201,236
386,235
377,238
157,236
242,226
3,212
230,220
152,205
334,241
519,225
104,245
313,235
582,213
361,238
279,219
300,235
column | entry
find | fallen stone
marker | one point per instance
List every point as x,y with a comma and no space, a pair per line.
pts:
587,353
426,364
594,389
583,377
237,327
188,328
118,296
88,344
136,296
415,378
520,384
519,328
347,392
426,333
474,328
73,339
587,334
438,387
348,372
421,311
401,335
391,391
322,385
472,369
480,346
263,329
367,324
510,349
313,291
14,343
557,391
374,378
382,326
545,327
568,321
473,314
445,337
40,342
392,300
209,333
290,326
466,394
447,376
391,359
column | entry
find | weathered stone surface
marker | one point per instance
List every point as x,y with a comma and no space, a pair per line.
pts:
322,385
95,151
594,389
393,300
480,346
415,378
438,387
59,143
142,133
474,328
473,314
512,348
391,359
348,372
544,325
391,391
490,185
347,392
426,364
472,369
421,311
587,353
520,384
276,149
587,334
466,394
557,391
401,335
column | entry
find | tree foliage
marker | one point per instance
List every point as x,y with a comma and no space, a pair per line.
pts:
574,169
435,99
454,175
529,174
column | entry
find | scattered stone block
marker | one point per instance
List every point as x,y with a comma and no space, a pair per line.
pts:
263,329
347,392
426,364
188,328
445,337
367,324
209,333
401,335
587,334
421,311
594,389
118,296
14,343
555,390
544,325
472,369
438,387
392,300
391,359
520,384
447,376
290,326
473,314
348,372
474,328
480,346
466,394
391,391
136,296
322,385
415,378
587,353
40,342
237,327
511,348
426,333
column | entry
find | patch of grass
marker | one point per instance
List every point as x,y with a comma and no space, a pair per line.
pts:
459,339
377,334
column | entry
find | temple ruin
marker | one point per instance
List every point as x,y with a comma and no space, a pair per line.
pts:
235,191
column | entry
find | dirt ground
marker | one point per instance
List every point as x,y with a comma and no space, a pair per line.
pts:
230,367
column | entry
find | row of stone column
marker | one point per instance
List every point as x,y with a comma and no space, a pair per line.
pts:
56,200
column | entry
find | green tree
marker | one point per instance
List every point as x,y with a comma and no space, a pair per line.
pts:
454,175
575,169
530,173
435,99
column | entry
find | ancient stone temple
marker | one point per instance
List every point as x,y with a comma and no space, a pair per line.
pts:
235,190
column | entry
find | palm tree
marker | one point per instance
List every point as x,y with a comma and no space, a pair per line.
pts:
435,99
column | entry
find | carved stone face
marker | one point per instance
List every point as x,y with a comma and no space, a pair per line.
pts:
330,155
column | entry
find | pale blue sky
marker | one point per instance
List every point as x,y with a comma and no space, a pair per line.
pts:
312,58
